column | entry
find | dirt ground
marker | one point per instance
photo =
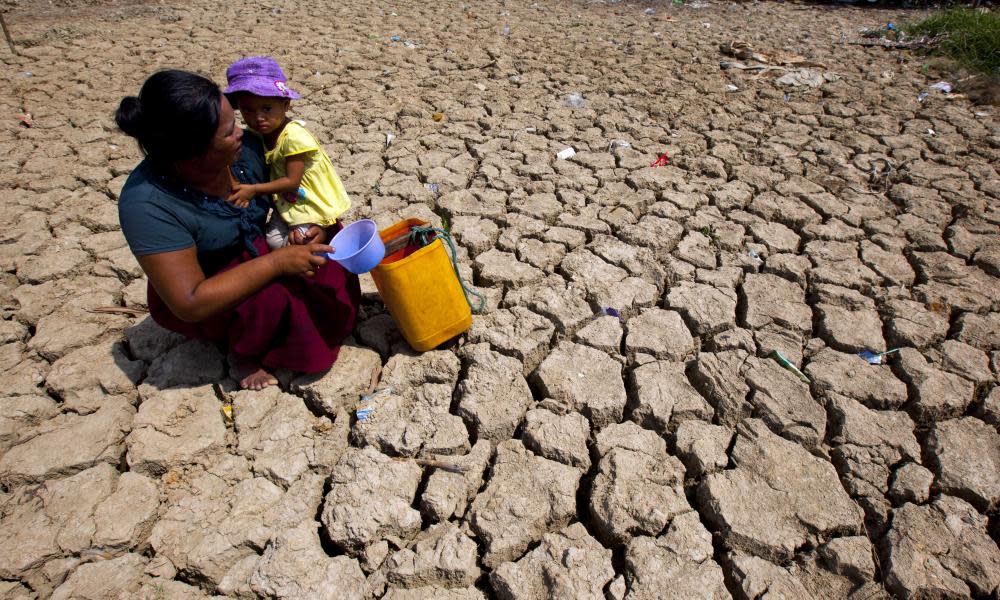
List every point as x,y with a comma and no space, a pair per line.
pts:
723,438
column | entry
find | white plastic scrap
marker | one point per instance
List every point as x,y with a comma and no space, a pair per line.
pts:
566,153
575,100
942,86
388,139
806,77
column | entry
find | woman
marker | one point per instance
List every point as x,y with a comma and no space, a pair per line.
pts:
210,273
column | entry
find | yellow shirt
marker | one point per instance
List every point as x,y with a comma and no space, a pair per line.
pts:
321,197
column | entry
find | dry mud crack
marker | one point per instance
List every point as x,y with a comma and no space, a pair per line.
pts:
665,454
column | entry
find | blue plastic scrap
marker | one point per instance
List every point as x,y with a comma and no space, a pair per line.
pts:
875,358
610,312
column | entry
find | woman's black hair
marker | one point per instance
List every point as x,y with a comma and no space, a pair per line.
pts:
174,117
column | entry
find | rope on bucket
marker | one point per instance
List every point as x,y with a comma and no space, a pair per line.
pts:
423,236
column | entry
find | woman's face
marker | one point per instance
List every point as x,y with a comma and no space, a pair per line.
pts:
228,139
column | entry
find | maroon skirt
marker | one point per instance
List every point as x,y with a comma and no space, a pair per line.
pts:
292,323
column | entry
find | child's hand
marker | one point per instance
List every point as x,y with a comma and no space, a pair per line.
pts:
242,194
307,235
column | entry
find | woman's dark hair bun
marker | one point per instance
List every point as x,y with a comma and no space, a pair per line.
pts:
174,117
129,116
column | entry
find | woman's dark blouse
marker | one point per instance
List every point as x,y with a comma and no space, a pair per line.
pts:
159,214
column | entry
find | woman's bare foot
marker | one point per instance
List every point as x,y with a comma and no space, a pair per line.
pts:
251,374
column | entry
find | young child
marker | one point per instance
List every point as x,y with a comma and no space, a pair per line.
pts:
308,194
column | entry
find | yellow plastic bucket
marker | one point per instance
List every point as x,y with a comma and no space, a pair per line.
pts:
421,291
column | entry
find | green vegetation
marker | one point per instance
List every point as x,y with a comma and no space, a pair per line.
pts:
972,37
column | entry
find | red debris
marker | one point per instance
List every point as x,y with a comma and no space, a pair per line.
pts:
661,160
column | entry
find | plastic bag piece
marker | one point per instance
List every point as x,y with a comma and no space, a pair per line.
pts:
565,153
661,161
610,312
875,358
575,100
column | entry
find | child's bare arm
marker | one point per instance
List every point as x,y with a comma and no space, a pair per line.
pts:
295,168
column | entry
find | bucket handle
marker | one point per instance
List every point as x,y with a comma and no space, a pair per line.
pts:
422,236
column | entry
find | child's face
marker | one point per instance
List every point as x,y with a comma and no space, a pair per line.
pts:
262,114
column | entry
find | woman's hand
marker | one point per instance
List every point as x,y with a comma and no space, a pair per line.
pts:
301,259
242,194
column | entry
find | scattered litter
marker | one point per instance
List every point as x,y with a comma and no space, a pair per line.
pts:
514,79
649,11
981,114
874,37
26,119
438,117
787,97
784,362
732,88
706,25
879,177
388,139
931,132
753,254
942,86
366,413
438,464
530,130
743,51
661,161
566,153
575,100
698,5
607,311
922,96
227,413
618,144
806,77
890,26
726,65
407,43
386,391
118,310
433,188
27,73
506,30
875,358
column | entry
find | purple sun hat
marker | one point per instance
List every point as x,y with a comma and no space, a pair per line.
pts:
260,76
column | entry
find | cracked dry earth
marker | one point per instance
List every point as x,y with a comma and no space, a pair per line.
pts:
663,455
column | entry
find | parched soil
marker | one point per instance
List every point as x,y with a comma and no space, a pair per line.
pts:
722,438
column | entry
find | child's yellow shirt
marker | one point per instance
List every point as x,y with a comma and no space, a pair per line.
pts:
321,197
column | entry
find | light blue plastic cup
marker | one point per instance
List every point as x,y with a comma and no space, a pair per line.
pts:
358,247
